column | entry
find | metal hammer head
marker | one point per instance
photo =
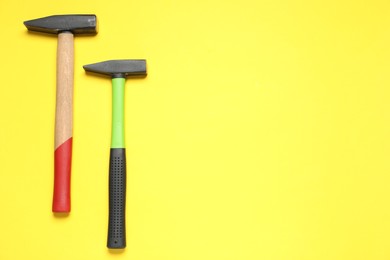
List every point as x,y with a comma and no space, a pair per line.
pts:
118,68
74,23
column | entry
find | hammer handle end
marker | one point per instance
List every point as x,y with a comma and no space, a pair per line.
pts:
117,199
62,166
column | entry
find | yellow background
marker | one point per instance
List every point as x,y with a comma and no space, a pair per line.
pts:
261,131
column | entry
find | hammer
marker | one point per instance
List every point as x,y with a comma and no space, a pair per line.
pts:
118,70
65,26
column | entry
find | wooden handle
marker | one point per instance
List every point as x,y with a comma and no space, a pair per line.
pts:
64,123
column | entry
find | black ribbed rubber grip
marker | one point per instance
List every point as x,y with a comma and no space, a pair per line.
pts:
117,199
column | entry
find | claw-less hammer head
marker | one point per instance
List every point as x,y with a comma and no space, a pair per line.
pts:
118,68
65,26
55,24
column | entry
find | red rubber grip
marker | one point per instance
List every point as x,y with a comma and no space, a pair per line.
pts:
62,166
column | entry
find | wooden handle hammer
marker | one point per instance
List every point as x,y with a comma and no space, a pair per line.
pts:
65,26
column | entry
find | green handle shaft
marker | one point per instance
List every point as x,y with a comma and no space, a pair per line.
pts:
118,126
117,175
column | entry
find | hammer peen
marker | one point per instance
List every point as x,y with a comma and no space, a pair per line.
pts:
65,26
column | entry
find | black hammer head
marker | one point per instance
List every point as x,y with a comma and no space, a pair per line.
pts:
118,68
74,23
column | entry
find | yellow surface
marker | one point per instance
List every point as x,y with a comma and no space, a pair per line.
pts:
261,131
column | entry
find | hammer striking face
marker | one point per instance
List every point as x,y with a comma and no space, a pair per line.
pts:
65,26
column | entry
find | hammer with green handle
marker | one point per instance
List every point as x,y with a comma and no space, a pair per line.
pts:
118,70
